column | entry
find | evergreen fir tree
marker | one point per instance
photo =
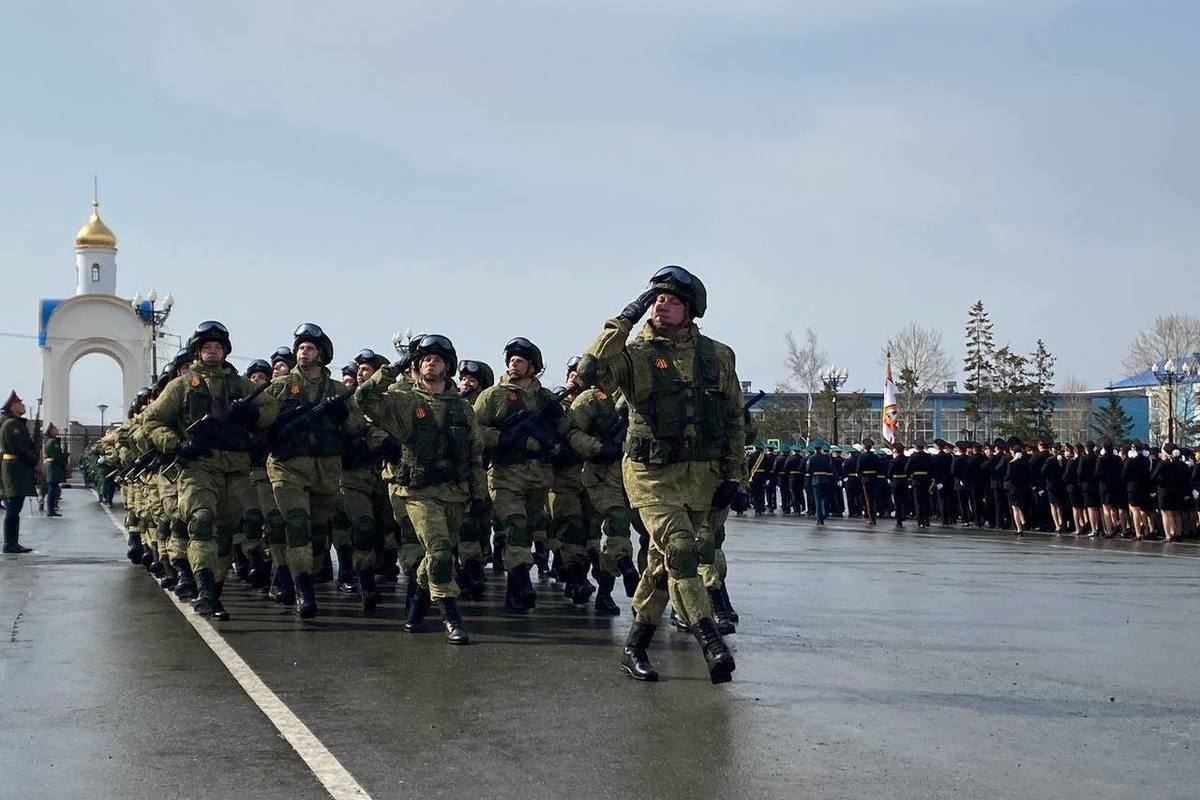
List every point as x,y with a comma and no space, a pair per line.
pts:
1041,382
978,369
1012,392
1111,422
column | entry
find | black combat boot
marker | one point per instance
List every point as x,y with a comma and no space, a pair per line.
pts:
410,589
241,564
156,568
417,610
729,610
629,574
218,610
369,591
716,654
283,590
634,661
582,587
324,573
542,560
185,587
558,568
604,602
452,622
513,596
345,574
260,573
725,625
387,570
170,577
498,545
147,557
476,583
134,553
306,597
528,593
206,596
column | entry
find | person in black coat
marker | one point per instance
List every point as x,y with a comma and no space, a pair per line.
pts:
782,481
796,469
1071,481
943,481
1112,488
977,480
1170,479
1053,485
897,475
920,478
769,487
1089,484
869,467
997,466
1017,483
1136,474
1037,512
852,484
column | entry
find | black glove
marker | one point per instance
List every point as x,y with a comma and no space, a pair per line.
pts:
339,409
190,451
741,502
478,509
725,494
638,308
244,414
609,452
389,448
508,437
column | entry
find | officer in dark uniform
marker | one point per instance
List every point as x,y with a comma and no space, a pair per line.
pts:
868,473
781,480
852,484
897,474
796,474
998,467
821,479
920,474
758,478
943,482
769,486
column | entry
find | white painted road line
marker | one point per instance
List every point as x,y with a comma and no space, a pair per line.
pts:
336,779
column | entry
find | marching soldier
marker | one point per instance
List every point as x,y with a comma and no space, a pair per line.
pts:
683,453
214,470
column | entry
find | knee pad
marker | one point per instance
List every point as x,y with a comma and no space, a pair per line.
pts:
297,528
618,522
224,542
441,563
683,555
200,526
178,527
536,521
706,549
572,531
252,523
518,531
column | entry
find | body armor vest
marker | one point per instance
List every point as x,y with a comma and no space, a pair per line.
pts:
200,402
667,405
318,439
436,452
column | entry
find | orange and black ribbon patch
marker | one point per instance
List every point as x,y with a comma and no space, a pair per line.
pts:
660,363
420,412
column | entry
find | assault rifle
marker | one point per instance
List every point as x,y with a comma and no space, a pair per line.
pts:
301,417
204,433
753,401
517,427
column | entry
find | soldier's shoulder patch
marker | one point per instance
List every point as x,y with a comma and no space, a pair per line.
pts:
661,363
420,412
294,388
513,397
195,381
600,395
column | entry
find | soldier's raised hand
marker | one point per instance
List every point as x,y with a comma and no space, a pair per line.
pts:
638,308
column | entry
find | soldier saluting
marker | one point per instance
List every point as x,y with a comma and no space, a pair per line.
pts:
682,454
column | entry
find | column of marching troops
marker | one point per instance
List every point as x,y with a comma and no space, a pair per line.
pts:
430,469
1132,491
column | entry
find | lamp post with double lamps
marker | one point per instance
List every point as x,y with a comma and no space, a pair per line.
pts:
155,318
833,379
1170,374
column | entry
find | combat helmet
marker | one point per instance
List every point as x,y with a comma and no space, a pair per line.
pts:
434,344
209,331
479,370
684,285
521,346
312,333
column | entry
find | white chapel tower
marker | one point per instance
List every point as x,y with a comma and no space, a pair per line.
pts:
95,256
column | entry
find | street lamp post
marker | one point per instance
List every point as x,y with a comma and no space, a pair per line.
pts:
1170,374
833,379
103,407
155,319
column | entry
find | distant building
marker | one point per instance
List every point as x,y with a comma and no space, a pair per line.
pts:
1181,392
943,414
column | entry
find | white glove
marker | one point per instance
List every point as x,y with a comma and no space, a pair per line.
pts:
839,483
1195,495
939,487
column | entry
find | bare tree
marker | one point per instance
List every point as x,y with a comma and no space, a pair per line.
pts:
1169,336
805,362
921,367
1073,411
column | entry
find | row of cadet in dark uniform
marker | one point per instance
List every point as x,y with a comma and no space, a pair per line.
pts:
1052,486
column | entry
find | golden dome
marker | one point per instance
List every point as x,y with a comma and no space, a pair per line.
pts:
95,233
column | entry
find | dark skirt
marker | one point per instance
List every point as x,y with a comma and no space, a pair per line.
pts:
1057,492
1113,495
1169,500
1091,495
1139,496
1075,495
1018,497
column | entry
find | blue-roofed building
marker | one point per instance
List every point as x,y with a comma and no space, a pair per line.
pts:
1172,390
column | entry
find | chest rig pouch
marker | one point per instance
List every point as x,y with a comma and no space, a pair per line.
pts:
664,413
436,452
199,402
320,437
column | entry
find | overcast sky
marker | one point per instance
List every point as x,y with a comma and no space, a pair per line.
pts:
488,170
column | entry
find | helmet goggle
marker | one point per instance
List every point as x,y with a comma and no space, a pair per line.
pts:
434,340
282,354
309,329
677,274
210,326
468,367
366,355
